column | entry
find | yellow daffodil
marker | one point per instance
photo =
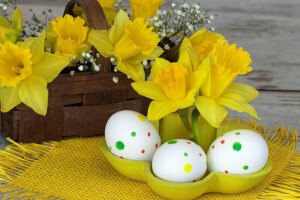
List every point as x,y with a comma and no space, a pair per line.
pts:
217,91
145,8
12,31
173,86
129,42
203,42
25,71
67,36
78,11
107,3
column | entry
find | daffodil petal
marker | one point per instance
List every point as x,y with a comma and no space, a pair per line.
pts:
197,79
99,39
118,29
51,37
184,45
110,14
158,64
36,45
212,111
246,91
235,102
195,58
17,21
9,34
141,57
159,109
206,86
149,89
34,93
184,59
9,97
4,22
49,66
135,72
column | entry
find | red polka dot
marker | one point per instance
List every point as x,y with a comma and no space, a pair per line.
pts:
188,142
121,157
226,171
143,151
223,141
194,180
213,146
200,154
156,145
148,134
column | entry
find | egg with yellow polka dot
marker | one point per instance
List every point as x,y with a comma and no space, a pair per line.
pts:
180,161
130,135
238,152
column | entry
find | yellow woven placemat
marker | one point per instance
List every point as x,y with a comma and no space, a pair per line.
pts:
76,169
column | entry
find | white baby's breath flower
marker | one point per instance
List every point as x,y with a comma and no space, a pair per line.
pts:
155,18
88,55
97,55
83,54
96,68
80,68
173,5
145,62
115,79
115,69
4,7
212,28
212,17
208,21
72,73
167,47
179,12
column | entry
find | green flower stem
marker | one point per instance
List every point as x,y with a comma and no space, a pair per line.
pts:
184,116
195,127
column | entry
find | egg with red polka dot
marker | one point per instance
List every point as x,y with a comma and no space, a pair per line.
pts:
130,135
238,152
180,161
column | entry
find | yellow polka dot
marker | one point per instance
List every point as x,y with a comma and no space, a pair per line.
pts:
187,168
141,118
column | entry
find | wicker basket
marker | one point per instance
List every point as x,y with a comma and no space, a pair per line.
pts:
78,105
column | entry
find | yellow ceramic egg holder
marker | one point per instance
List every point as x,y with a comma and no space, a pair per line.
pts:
213,182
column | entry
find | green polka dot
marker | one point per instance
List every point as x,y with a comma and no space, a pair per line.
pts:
187,168
238,133
237,146
186,154
120,145
110,148
245,167
133,134
172,142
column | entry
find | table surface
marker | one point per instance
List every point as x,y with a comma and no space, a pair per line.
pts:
269,30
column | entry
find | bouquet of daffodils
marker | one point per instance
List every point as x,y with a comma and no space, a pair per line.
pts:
192,69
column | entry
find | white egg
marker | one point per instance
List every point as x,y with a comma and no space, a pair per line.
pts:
131,135
238,152
180,161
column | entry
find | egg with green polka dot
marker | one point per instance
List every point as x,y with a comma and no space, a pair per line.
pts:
180,161
238,152
130,135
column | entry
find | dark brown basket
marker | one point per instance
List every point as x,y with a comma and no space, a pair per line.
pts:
78,105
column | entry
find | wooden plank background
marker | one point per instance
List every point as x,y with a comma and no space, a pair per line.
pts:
269,30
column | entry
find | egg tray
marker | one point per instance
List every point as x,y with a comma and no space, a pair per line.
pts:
213,182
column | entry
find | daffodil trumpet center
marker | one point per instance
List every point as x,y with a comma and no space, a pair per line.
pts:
173,81
15,64
204,48
137,39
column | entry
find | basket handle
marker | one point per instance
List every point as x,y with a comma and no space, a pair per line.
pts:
97,21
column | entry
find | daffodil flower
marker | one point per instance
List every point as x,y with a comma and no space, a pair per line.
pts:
107,3
67,36
145,8
173,86
25,71
202,42
12,31
217,91
129,42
